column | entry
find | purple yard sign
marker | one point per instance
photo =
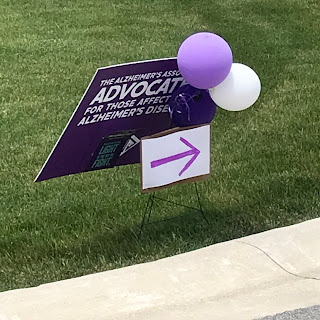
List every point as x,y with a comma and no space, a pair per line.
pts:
122,104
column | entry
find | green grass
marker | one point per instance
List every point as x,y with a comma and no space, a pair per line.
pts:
265,160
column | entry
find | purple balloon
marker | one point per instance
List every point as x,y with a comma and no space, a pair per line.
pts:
189,106
204,60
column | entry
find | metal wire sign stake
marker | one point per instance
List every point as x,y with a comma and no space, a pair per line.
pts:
152,200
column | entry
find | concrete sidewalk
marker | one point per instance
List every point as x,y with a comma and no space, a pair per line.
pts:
247,278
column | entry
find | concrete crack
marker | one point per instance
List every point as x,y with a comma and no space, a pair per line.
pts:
277,263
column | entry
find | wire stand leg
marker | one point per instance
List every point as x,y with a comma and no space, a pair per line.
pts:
200,206
151,201
152,197
147,213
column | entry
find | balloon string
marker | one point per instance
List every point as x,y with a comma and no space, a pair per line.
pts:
185,101
181,98
171,110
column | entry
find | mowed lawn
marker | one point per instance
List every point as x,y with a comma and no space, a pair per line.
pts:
265,160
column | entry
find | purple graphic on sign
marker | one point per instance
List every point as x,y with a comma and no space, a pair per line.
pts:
122,104
193,151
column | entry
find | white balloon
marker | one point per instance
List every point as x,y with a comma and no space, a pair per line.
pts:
239,91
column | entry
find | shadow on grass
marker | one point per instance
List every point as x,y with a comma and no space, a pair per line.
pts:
186,230
273,203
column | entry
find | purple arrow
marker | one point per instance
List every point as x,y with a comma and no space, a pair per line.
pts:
192,152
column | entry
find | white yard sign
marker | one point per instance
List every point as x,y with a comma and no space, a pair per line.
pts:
177,155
